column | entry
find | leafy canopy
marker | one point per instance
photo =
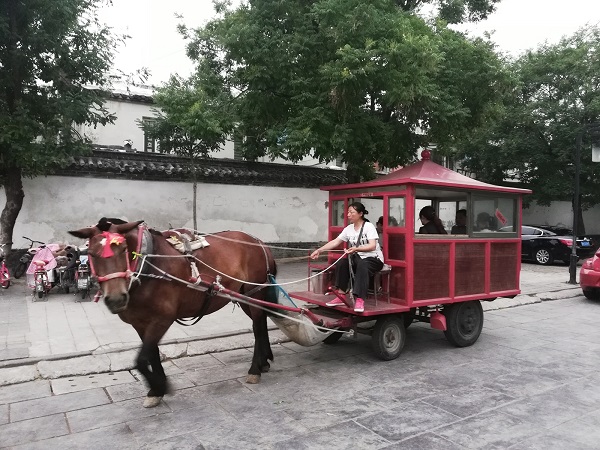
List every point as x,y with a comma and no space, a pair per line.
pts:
51,51
364,81
533,138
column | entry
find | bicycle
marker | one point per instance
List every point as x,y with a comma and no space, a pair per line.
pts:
4,274
26,258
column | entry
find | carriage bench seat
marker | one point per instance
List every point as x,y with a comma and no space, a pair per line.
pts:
381,283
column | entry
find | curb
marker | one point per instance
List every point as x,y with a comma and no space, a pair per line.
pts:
91,362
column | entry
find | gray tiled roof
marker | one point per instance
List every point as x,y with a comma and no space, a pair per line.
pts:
104,162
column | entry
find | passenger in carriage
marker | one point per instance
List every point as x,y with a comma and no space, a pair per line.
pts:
431,222
460,225
365,257
485,222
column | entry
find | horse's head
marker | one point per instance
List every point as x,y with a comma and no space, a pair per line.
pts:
109,261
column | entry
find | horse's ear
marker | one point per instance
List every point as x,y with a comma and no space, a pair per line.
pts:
126,227
84,233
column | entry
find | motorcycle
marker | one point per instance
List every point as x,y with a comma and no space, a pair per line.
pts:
25,260
4,274
83,276
41,273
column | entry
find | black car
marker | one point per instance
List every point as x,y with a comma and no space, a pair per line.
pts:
546,244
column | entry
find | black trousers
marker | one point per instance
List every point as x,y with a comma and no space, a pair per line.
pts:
363,270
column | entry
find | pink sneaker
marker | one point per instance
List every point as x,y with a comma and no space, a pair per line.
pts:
359,305
336,302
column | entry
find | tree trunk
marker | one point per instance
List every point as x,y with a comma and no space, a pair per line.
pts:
13,188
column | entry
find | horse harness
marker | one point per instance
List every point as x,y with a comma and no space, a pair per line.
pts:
185,242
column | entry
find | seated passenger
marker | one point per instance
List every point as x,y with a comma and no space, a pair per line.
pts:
431,222
460,223
484,222
379,227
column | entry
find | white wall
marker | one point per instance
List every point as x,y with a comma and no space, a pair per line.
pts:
53,205
561,214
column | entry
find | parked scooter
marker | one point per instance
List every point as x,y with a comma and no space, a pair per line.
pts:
40,273
25,260
83,275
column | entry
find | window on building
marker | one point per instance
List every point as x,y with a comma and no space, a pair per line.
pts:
150,145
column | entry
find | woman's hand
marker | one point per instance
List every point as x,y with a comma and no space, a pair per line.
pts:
351,250
315,254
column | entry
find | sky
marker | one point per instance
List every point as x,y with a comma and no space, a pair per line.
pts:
517,25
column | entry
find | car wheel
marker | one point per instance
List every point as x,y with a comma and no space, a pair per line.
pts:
592,293
543,257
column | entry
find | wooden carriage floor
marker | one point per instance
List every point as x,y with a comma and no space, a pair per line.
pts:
372,307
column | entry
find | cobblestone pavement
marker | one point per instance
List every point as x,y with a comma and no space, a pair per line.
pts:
530,382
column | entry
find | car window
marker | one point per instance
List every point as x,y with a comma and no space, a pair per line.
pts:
527,231
538,232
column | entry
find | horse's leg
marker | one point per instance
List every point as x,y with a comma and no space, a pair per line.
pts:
262,348
149,365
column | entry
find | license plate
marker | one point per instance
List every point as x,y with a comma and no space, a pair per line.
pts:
82,284
585,244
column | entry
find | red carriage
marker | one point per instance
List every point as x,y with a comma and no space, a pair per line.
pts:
435,278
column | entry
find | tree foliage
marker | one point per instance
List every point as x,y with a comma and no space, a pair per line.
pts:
367,81
51,51
556,96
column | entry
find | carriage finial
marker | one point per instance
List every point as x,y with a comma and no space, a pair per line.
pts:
426,155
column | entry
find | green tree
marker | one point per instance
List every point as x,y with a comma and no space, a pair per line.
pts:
532,139
51,51
367,81
192,119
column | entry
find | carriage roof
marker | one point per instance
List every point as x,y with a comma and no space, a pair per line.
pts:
426,172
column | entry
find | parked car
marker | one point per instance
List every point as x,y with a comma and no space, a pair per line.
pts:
545,244
589,277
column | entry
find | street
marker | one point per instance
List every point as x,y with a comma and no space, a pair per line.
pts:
529,382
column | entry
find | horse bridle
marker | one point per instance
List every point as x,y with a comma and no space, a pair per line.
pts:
109,239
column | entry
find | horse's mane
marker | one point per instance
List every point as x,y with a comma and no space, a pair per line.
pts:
105,223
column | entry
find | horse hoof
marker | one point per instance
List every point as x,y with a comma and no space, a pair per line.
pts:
253,379
151,402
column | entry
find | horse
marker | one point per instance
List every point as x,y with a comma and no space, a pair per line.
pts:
158,293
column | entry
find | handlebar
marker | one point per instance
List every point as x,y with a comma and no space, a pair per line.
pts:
33,242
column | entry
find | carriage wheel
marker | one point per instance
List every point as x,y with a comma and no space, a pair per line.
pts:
332,338
464,322
389,336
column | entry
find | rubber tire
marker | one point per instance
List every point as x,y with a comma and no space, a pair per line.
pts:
40,294
543,257
20,270
389,337
592,293
6,282
464,322
83,294
332,338
66,289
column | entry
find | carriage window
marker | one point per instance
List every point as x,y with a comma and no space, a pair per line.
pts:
396,212
337,213
493,214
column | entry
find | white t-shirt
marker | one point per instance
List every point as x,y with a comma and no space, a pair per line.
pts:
350,235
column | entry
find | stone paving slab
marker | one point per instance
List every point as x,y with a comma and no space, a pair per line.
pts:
515,388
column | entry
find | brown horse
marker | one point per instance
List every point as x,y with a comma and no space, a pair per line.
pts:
159,292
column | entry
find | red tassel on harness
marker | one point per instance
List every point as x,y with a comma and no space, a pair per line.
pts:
109,239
